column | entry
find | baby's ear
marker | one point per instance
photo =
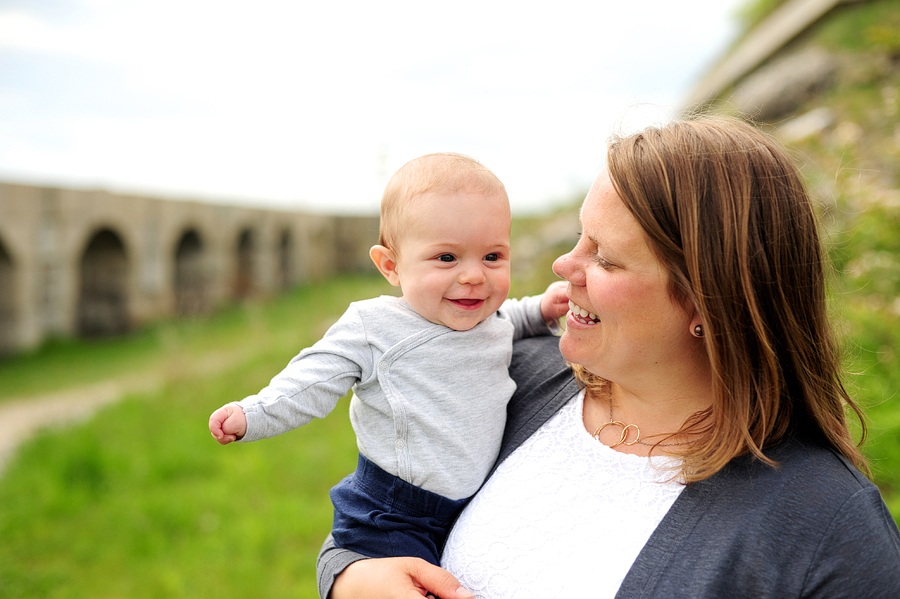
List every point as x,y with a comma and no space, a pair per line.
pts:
386,263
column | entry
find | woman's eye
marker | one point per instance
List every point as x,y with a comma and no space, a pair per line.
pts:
446,258
491,258
600,261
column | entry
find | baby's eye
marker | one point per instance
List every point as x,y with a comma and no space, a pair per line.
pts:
446,258
491,258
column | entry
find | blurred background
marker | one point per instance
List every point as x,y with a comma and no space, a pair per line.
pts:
188,191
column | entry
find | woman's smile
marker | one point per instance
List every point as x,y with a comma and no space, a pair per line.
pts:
582,315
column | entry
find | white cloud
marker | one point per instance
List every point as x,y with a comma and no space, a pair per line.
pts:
287,101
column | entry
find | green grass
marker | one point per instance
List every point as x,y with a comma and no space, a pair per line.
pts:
872,26
867,252
141,502
865,26
63,363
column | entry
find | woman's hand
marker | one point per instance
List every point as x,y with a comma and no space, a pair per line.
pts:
395,578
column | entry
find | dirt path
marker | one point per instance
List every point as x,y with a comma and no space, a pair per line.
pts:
22,418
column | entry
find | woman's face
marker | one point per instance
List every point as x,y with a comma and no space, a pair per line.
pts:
622,324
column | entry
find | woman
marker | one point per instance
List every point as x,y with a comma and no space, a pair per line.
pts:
701,448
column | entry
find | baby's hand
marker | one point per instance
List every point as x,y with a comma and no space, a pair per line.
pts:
555,302
228,424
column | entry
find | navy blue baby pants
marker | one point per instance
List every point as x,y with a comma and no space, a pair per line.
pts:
380,515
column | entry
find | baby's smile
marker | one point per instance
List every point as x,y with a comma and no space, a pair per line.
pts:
468,303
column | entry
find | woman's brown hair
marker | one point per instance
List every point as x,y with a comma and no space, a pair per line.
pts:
730,218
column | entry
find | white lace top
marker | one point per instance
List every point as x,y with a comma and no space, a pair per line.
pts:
563,516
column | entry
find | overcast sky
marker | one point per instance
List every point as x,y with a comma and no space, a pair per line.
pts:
312,105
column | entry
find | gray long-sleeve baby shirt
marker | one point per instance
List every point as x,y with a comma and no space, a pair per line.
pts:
429,402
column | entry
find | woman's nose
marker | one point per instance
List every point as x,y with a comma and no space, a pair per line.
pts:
564,268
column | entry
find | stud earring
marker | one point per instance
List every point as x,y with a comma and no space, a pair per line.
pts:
698,330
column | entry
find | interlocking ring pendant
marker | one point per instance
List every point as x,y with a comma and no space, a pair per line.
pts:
623,440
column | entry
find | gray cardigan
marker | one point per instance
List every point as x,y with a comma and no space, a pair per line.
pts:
812,527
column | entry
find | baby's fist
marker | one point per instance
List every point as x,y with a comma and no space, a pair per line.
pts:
555,302
228,424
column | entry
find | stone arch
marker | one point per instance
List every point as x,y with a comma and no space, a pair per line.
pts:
103,286
285,276
8,313
191,281
245,274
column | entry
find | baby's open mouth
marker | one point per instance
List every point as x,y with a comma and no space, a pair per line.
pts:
468,303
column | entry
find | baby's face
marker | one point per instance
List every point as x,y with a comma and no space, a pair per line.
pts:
453,256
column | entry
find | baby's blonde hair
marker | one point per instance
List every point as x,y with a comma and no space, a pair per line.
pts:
444,170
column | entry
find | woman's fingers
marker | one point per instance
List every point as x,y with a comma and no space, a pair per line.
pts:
396,578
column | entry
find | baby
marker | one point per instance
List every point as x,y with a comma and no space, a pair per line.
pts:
428,370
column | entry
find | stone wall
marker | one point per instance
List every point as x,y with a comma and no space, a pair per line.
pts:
93,263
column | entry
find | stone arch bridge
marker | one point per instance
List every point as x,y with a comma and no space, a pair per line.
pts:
94,263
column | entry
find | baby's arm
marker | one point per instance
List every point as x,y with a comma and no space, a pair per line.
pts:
555,302
309,387
228,424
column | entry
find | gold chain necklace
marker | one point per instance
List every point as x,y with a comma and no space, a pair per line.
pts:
623,440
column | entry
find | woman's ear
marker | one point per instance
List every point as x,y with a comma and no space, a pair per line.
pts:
386,263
